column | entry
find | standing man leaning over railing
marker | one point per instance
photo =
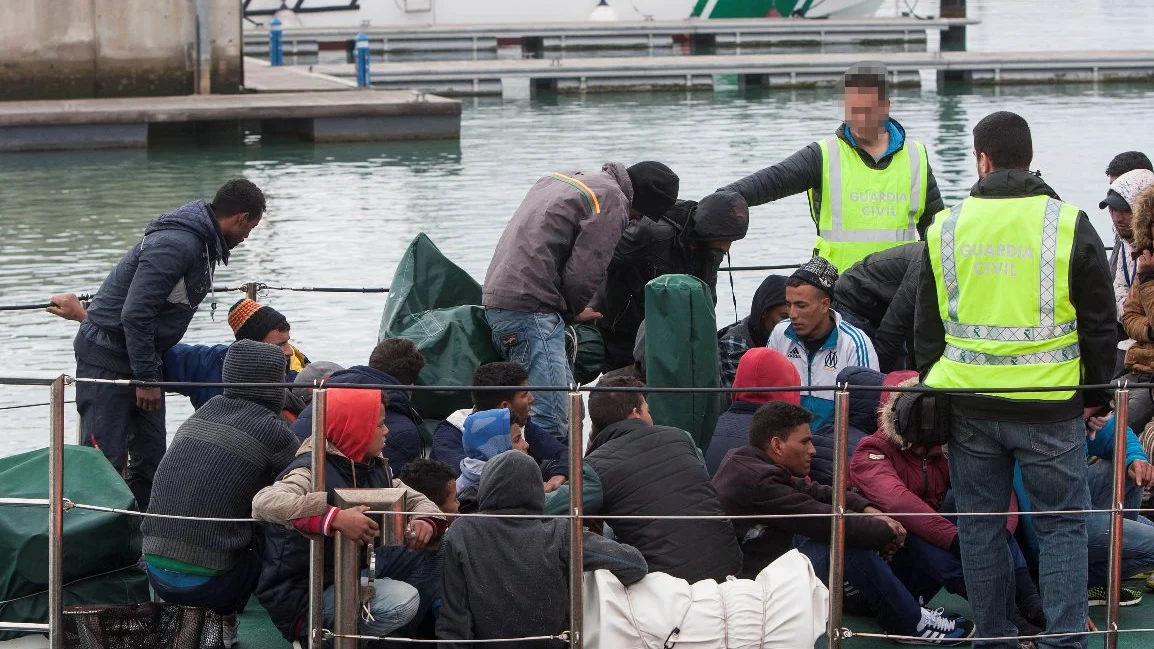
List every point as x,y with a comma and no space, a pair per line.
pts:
142,309
869,187
1015,293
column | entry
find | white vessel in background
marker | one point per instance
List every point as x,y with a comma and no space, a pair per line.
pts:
380,13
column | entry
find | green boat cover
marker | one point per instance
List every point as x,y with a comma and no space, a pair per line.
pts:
586,351
100,548
436,304
679,314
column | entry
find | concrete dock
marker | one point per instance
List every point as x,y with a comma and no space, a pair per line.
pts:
638,34
297,104
777,70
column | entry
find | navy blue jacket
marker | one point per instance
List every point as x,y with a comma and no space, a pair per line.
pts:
732,431
404,441
145,304
543,447
199,364
863,422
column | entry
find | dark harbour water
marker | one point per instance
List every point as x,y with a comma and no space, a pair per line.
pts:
341,215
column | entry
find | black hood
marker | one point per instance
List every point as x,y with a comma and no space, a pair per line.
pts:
195,217
770,294
1012,183
721,216
863,404
511,482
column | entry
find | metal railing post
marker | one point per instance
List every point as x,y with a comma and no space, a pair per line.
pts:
317,544
347,555
837,533
250,291
576,529
1114,578
56,517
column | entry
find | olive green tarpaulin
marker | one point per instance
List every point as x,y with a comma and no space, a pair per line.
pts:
681,352
436,304
100,548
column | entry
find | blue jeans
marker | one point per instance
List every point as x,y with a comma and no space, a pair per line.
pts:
925,568
873,583
1053,462
406,585
537,342
1137,538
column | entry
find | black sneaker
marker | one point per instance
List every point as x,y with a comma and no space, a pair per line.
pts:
1127,596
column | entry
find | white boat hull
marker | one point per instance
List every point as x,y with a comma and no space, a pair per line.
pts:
844,8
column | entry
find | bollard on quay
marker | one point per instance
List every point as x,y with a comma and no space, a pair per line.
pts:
364,80
275,43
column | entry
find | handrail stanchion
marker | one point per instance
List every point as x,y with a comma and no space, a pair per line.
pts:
1114,583
317,543
56,517
576,529
837,534
250,290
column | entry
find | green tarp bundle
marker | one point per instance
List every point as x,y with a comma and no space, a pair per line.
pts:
436,304
100,549
681,352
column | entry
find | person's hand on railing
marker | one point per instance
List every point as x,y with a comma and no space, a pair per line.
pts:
353,524
1142,473
67,306
149,399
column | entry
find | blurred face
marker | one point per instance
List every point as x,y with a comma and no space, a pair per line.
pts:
237,227
451,504
1121,220
794,453
808,310
772,316
377,443
864,111
519,443
520,405
280,339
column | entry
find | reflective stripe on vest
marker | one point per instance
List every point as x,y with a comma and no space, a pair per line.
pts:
1000,250
865,210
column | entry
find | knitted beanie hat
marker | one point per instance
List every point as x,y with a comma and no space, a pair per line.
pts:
251,320
655,188
486,434
248,361
818,272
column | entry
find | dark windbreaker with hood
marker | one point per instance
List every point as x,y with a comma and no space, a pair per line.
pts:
508,578
883,289
649,249
145,304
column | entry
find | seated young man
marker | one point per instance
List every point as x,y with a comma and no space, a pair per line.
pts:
905,478
648,470
436,481
552,455
768,477
816,339
508,577
395,361
219,459
408,579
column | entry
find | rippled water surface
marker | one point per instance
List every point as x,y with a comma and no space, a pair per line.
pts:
341,215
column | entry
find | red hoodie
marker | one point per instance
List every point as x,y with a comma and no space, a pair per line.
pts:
895,479
351,418
762,367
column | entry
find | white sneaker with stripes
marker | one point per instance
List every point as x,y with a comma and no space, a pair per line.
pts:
937,628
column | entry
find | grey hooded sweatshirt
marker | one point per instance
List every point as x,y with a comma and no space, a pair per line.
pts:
508,577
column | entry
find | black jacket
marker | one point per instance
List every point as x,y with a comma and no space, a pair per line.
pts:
145,304
883,288
731,431
863,421
650,249
404,441
1091,291
507,578
802,171
749,483
283,589
656,471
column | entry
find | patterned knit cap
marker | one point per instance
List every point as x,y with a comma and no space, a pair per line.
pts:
251,320
818,272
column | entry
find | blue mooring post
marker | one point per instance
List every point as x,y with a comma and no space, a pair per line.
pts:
363,78
275,43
